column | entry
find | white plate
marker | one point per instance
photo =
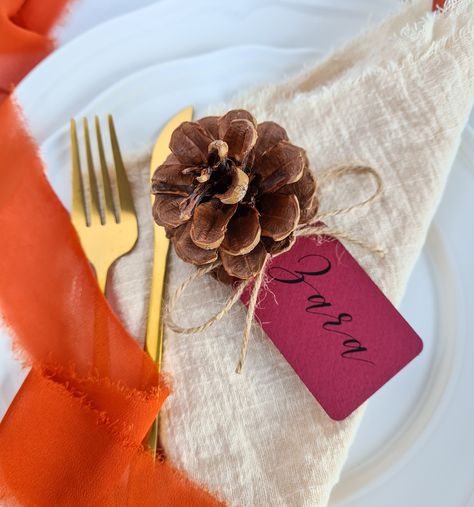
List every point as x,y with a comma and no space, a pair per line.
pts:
403,437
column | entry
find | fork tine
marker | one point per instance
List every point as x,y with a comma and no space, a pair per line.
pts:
94,193
78,194
125,195
110,212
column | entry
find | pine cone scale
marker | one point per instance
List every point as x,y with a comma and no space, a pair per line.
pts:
188,250
269,135
237,189
189,143
209,223
236,114
279,166
245,266
275,248
305,191
171,179
240,137
279,215
166,211
243,232
211,125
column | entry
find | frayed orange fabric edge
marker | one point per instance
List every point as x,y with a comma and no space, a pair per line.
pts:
73,434
56,450
438,4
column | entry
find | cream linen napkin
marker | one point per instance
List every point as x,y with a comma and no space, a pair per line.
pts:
396,99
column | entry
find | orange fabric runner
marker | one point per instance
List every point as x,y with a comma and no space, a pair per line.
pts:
72,436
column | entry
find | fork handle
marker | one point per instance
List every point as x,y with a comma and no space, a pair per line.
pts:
101,275
101,350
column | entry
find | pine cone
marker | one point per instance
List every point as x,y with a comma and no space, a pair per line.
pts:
232,189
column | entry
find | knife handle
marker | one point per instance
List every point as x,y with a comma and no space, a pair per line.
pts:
154,331
154,432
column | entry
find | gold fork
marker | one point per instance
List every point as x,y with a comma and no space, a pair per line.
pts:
106,231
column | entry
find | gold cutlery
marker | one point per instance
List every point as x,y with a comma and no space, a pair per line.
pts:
107,230
154,332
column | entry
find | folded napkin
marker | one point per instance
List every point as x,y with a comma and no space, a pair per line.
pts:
396,99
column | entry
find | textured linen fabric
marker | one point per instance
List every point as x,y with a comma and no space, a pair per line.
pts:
396,99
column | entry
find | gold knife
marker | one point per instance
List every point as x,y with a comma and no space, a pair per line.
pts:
154,330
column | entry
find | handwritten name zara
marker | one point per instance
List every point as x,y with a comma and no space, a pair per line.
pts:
353,348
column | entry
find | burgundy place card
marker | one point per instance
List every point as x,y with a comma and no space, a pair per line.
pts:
334,326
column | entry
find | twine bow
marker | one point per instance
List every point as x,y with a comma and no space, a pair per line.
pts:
312,228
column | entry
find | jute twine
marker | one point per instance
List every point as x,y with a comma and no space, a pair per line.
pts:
312,228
